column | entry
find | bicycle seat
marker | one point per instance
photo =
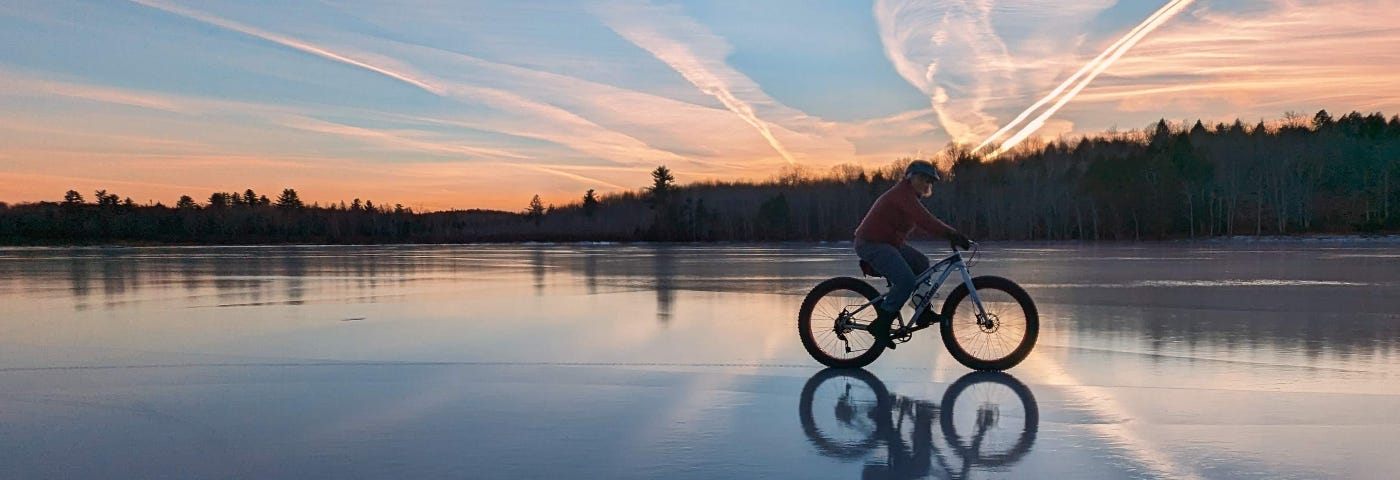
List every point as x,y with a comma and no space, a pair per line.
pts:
868,270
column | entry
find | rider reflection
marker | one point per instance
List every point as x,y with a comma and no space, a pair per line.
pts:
986,420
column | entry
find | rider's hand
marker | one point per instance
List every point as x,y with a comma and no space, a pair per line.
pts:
959,240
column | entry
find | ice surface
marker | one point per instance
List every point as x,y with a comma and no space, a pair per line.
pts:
1182,360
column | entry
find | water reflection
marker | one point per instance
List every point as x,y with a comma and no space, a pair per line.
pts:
537,266
590,272
1341,306
80,283
985,420
664,273
294,267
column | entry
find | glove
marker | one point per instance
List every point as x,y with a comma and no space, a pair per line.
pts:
959,240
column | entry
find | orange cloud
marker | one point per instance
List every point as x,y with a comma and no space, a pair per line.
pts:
1291,55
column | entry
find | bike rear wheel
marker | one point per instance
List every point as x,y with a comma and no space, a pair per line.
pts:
1003,338
825,323
850,427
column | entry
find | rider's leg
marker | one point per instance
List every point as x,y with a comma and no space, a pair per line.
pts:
890,262
918,262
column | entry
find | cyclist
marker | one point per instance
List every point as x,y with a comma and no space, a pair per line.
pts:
880,241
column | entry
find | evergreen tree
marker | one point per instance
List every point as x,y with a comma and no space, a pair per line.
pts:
775,218
107,199
662,182
1322,120
535,211
218,200
590,204
289,200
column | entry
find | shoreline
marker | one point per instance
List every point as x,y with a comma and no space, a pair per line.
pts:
1238,239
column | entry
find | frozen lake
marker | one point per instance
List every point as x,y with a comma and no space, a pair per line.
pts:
1190,360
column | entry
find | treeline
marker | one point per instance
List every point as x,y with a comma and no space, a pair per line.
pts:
234,218
1298,175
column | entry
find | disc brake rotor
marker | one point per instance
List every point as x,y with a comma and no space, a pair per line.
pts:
989,323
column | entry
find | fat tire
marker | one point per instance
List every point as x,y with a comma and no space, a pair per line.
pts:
1028,431
1018,354
804,322
833,448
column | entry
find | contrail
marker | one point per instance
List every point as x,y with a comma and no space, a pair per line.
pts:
287,42
571,176
1073,78
707,74
1094,68
743,110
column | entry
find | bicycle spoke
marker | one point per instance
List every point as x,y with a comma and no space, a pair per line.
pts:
1008,329
824,320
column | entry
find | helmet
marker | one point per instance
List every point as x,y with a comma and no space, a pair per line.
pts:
922,167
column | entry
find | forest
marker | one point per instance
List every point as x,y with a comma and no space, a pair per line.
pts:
1297,175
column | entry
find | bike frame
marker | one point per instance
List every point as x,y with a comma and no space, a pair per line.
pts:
944,268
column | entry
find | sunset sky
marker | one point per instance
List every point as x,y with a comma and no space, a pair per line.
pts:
439,104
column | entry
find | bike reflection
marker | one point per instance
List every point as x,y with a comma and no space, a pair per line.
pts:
985,420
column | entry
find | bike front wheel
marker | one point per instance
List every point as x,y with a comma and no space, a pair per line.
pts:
989,418
1000,339
831,328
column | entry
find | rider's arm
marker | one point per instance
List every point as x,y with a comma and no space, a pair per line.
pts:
925,219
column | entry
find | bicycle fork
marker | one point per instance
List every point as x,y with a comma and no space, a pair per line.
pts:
982,319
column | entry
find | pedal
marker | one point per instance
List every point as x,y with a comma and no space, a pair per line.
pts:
928,318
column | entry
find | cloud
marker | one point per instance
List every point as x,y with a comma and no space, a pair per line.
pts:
1075,79
1277,56
486,111
953,51
574,176
511,102
33,85
917,35
398,139
230,25
620,125
1094,68
693,52
579,133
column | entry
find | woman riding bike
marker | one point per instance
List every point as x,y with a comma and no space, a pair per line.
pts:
881,241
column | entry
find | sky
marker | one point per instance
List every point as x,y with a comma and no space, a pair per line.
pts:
451,104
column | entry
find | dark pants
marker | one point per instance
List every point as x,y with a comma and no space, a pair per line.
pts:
900,264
